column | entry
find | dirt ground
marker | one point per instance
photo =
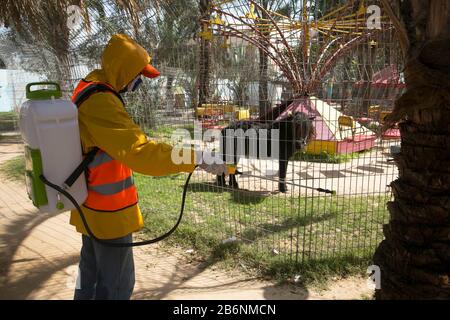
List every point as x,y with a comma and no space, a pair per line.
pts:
39,255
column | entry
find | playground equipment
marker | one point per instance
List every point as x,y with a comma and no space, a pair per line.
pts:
385,84
215,116
288,40
335,133
392,133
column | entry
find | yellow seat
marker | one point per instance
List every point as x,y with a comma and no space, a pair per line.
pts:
242,114
209,110
200,112
209,105
383,115
374,111
346,123
229,108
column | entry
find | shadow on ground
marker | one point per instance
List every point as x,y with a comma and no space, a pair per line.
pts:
240,196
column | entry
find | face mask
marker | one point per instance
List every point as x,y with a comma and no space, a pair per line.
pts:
134,85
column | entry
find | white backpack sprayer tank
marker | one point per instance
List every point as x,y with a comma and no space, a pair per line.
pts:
49,127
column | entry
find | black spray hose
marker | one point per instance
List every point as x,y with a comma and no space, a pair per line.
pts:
332,192
120,245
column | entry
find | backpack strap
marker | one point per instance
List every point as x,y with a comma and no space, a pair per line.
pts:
81,168
94,88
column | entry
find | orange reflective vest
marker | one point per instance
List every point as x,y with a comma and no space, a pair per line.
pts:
109,182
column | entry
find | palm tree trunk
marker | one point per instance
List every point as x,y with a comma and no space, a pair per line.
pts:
263,90
368,71
414,258
366,55
346,85
204,59
263,83
169,94
63,74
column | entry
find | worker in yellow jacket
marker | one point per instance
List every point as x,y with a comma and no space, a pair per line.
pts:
111,208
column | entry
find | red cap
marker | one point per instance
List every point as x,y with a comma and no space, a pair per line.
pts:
150,71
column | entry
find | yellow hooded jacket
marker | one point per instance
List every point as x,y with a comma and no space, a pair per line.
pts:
104,123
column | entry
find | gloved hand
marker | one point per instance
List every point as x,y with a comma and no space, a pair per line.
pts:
215,169
202,157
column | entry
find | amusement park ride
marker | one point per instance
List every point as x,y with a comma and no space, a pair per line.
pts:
305,42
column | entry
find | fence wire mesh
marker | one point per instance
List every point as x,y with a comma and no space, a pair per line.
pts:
252,213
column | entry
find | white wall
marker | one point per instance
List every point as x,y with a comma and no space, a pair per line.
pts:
12,87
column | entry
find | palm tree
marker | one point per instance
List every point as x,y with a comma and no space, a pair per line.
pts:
175,26
414,258
284,8
43,26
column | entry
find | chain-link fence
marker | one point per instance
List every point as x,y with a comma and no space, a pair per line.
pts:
274,211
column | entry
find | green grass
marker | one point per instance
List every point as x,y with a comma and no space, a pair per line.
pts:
161,132
336,235
8,121
326,157
14,169
10,138
9,115
167,131
8,125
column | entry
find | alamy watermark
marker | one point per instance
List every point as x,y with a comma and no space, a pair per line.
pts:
74,277
74,17
374,19
234,144
374,280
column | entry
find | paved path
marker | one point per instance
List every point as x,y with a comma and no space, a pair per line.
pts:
371,173
39,255
10,146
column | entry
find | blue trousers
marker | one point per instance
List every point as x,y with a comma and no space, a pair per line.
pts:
105,273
